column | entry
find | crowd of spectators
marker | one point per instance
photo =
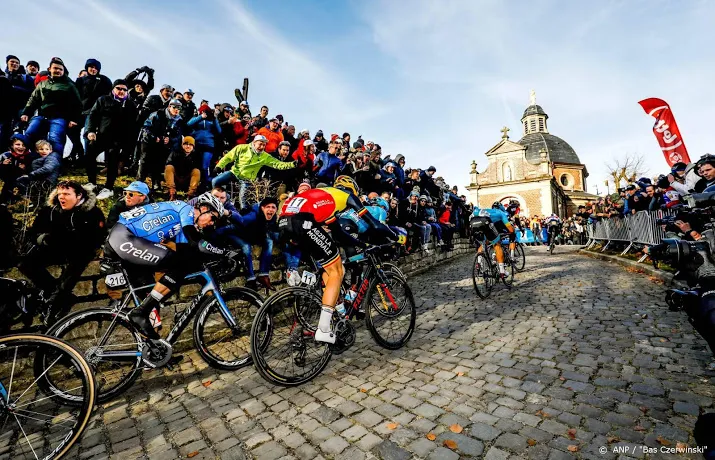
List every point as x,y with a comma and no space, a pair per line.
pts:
177,149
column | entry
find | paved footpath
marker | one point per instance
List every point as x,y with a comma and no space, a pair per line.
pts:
580,354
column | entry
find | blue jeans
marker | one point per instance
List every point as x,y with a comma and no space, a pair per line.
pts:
226,178
292,255
56,129
437,230
206,167
264,263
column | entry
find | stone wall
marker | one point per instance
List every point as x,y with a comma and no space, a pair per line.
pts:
91,290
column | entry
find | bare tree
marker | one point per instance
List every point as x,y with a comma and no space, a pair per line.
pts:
626,168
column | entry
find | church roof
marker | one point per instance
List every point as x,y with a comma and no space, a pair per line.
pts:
557,149
533,109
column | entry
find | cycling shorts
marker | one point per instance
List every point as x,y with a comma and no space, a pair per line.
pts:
311,237
140,256
482,228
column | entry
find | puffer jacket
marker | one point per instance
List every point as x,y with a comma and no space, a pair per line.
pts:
81,229
55,98
204,131
22,87
46,168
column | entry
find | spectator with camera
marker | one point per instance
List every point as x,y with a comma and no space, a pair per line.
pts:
140,89
706,170
156,102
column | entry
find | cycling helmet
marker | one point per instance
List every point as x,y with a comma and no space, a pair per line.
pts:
513,203
497,205
423,197
380,201
346,183
210,201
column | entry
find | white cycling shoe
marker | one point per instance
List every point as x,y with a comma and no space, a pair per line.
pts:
327,337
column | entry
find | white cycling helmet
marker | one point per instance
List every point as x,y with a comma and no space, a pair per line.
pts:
210,201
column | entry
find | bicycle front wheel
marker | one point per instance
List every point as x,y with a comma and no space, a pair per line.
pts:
391,311
519,257
111,345
283,343
35,423
482,275
221,345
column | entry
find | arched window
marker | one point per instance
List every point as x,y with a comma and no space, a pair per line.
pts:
506,172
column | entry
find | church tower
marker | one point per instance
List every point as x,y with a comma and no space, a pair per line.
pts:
534,118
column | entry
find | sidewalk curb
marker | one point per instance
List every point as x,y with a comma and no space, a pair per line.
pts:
647,269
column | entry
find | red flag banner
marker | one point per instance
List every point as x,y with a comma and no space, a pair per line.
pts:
666,130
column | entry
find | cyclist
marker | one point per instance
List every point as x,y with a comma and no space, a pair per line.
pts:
553,226
514,209
492,223
302,219
164,237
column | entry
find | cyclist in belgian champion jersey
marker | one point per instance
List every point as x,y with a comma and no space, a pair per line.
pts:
303,217
163,237
492,223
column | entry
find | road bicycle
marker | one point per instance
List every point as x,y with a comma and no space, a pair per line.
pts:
519,255
119,354
35,421
485,269
286,353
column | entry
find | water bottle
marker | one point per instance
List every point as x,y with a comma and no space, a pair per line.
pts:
350,296
340,308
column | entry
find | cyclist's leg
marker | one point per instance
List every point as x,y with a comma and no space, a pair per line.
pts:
138,251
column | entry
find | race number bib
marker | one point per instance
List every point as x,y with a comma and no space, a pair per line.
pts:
308,278
134,213
295,204
484,213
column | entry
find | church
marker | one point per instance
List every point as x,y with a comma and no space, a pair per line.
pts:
541,171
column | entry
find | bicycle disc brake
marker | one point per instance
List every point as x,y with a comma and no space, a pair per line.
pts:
344,336
156,353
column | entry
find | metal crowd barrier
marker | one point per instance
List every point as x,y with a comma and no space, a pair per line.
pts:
638,228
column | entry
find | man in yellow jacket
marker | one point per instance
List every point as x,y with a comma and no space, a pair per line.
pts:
247,159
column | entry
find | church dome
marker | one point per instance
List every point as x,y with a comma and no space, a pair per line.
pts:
533,109
557,149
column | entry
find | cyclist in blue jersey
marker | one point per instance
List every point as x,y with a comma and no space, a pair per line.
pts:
492,223
553,226
163,237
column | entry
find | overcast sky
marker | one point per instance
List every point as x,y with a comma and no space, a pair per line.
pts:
434,80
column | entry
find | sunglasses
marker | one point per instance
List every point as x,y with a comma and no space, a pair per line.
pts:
119,88
131,194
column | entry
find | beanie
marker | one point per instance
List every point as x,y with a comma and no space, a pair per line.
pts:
119,81
188,140
35,63
93,63
205,108
11,56
58,61
269,200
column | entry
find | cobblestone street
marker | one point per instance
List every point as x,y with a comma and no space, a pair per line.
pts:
580,354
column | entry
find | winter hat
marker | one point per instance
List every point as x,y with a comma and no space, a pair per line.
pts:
680,166
189,91
205,108
269,200
260,138
303,187
20,137
11,56
432,168
35,63
307,142
119,81
398,158
175,103
414,193
389,164
243,103
140,82
93,63
319,133
58,61
188,140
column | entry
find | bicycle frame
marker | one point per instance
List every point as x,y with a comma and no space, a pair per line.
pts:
209,288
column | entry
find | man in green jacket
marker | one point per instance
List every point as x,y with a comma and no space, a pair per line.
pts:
58,107
247,159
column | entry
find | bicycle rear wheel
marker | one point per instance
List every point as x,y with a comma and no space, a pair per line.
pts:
391,311
220,345
519,257
509,268
482,275
286,353
35,423
111,345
